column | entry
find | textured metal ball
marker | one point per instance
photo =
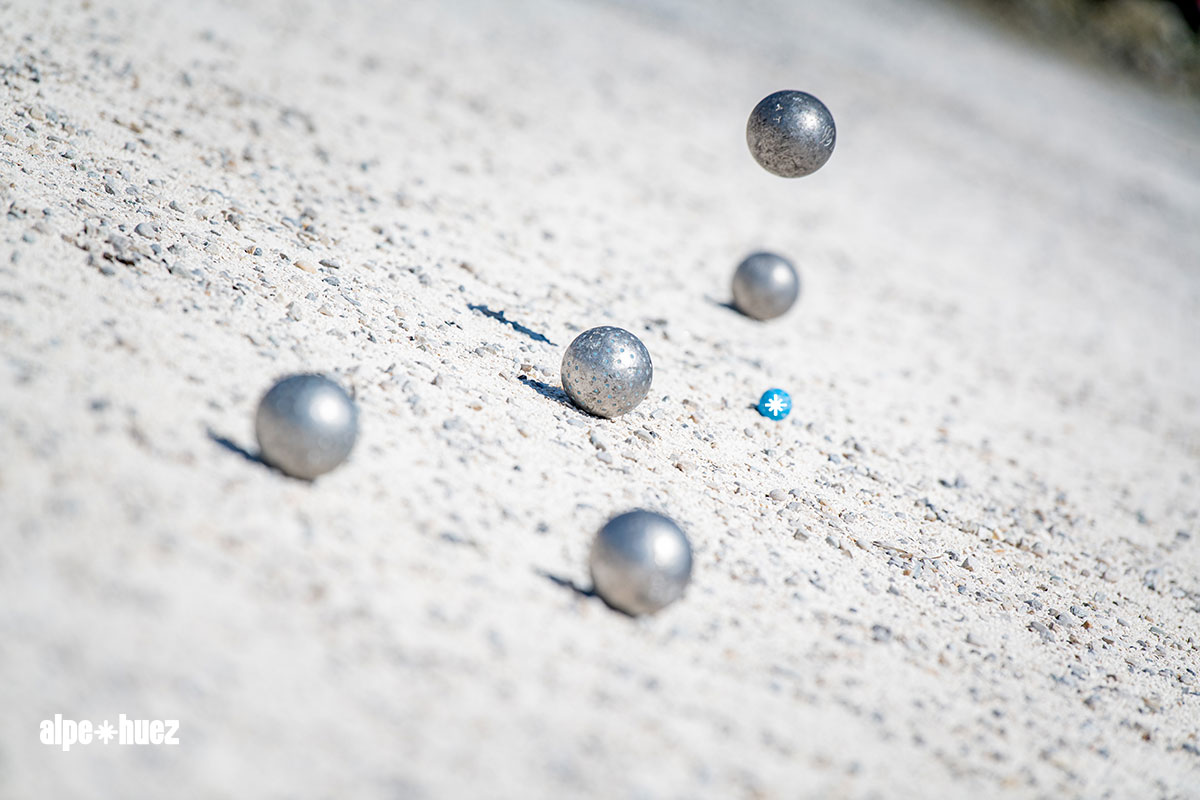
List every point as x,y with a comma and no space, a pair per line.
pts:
791,134
765,285
306,425
607,371
641,562
775,404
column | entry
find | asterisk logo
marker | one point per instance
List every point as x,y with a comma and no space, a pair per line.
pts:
105,732
775,405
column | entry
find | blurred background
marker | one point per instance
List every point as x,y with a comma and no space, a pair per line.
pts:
1158,41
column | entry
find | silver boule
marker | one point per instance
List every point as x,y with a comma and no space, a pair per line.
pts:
765,286
606,371
791,134
306,425
641,562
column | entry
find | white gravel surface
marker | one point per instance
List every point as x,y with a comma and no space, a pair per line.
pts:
967,565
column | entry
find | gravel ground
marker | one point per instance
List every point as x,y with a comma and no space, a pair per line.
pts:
967,564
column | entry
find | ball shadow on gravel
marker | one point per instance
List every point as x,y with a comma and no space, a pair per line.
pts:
551,393
234,447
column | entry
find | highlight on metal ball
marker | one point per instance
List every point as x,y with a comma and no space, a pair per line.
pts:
306,425
607,371
791,134
641,562
765,286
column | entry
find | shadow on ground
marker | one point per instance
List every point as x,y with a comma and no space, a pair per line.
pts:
234,447
551,393
565,583
516,326
722,303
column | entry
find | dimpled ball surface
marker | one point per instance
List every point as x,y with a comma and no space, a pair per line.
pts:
791,134
765,286
606,371
775,404
306,425
641,562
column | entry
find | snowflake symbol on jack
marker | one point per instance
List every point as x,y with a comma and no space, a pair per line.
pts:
775,404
